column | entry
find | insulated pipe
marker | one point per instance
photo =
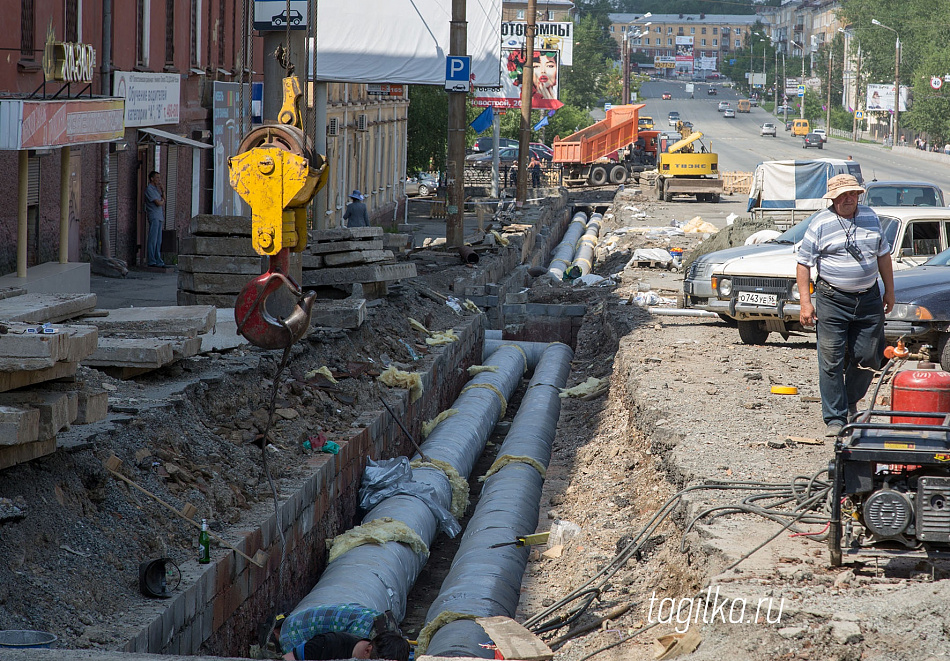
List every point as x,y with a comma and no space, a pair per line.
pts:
380,576
532,350
564,253
680,312
584,259
485,581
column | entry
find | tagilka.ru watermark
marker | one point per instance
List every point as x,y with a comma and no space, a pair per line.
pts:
707,607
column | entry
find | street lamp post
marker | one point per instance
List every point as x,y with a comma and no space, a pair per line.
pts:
895,123
854,79
802,104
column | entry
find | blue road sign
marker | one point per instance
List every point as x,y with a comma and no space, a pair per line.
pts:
458,69
801,90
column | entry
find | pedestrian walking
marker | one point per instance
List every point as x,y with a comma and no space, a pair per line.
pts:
535,166
155,215
356,214
846,245
946,149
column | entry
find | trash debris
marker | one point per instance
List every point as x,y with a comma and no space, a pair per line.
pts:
412,352
731,218
646,298
676,644
697,225
562,532
471,307
761,236
322,371
455,304
442,337
592,386
658,255
499,238
429,425
417,326
400,379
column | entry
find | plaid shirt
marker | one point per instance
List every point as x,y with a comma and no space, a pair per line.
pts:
347,618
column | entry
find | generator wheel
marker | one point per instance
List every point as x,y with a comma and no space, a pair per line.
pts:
618,174
834,545
943,350
598,176
752,332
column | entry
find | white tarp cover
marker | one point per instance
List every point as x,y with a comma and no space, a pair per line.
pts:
403,41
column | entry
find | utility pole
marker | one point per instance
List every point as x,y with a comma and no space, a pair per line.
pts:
625,68
831,59
776,78
527,89
455,167
857,98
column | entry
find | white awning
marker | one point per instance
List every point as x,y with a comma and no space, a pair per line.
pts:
164,136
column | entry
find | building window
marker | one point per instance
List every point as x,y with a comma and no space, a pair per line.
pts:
692,30
521,14
27,14
658,30
611,28
703,42
646,41
703,31
72,21
141,33
715,42
169,33
669,42
222,19
623,28
715,30
737,44
550,14
669,30
195,45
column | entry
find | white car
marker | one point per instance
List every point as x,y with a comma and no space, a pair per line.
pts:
821,132
729,112
723,105
768,129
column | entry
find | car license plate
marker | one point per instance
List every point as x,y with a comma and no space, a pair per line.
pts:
757,299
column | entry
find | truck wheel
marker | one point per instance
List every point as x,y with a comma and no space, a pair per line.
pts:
943,350
618,174
659,189
668,196
729,320
752,332
598,176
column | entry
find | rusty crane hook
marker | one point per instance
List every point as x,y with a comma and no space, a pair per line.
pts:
256,324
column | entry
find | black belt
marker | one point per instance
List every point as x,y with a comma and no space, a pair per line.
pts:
849,293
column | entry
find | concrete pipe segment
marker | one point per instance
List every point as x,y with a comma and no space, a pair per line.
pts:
584,259
379,576
485,582
564,252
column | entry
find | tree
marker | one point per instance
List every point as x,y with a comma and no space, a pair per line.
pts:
584,83
427,128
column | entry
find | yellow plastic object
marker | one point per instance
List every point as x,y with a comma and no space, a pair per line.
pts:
277,185
784,390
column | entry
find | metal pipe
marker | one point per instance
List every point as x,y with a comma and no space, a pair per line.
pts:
485,581
64,205
468,255
680,312
564,252
532,350
380,576
23,190
584,259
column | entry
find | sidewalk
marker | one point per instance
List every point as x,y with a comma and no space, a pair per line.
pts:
140,288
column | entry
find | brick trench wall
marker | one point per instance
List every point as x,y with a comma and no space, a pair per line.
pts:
219,612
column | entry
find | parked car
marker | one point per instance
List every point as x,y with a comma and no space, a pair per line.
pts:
506,156
788,124
768,129
761,292
667,96
672,118
821,132
645,123
729,112
921,314
901,194
711,91
484,144
423,185
541,147
754,102
812,140
783,110
723,105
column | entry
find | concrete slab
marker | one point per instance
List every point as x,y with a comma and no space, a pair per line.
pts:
18,425
43,308
361,274
224,335
309,261
144,353
345,313
210,224
216,245
12,455
52,278
345,246
23,378
186,348
344,234
53,408
172,320
357,257
212,283
216,300
217,264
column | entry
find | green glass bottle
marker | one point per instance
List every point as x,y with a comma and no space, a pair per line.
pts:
204,544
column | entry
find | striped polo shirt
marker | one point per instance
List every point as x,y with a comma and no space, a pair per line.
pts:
824,246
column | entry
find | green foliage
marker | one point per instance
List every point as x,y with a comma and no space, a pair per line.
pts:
584,83
427,128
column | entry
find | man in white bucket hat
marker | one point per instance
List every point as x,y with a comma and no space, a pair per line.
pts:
846,244
355,214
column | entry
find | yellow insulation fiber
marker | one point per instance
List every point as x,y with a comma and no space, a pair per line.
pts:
427,427
459,484
506,459
323,371
478,369
417,326
399,379
429,630
378,531
499,238
590,386
442,337
501,398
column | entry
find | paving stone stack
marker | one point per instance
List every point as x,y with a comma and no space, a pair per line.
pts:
40,394
216,261
343,257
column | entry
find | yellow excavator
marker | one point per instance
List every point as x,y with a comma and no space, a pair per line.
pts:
687,167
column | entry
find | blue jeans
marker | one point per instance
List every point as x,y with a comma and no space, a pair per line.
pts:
153,247
850,347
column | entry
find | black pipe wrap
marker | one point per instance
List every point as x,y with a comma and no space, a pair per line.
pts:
380,576
484,581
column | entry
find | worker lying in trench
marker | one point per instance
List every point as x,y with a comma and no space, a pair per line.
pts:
336,631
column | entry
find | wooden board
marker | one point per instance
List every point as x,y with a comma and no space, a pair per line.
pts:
513,640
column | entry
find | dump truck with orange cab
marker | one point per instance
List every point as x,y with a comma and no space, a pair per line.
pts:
612,151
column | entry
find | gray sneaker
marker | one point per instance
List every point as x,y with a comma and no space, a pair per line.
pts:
833,429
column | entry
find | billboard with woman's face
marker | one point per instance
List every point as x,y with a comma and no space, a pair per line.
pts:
545,74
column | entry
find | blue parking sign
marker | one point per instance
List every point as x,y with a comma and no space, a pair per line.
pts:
458,69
